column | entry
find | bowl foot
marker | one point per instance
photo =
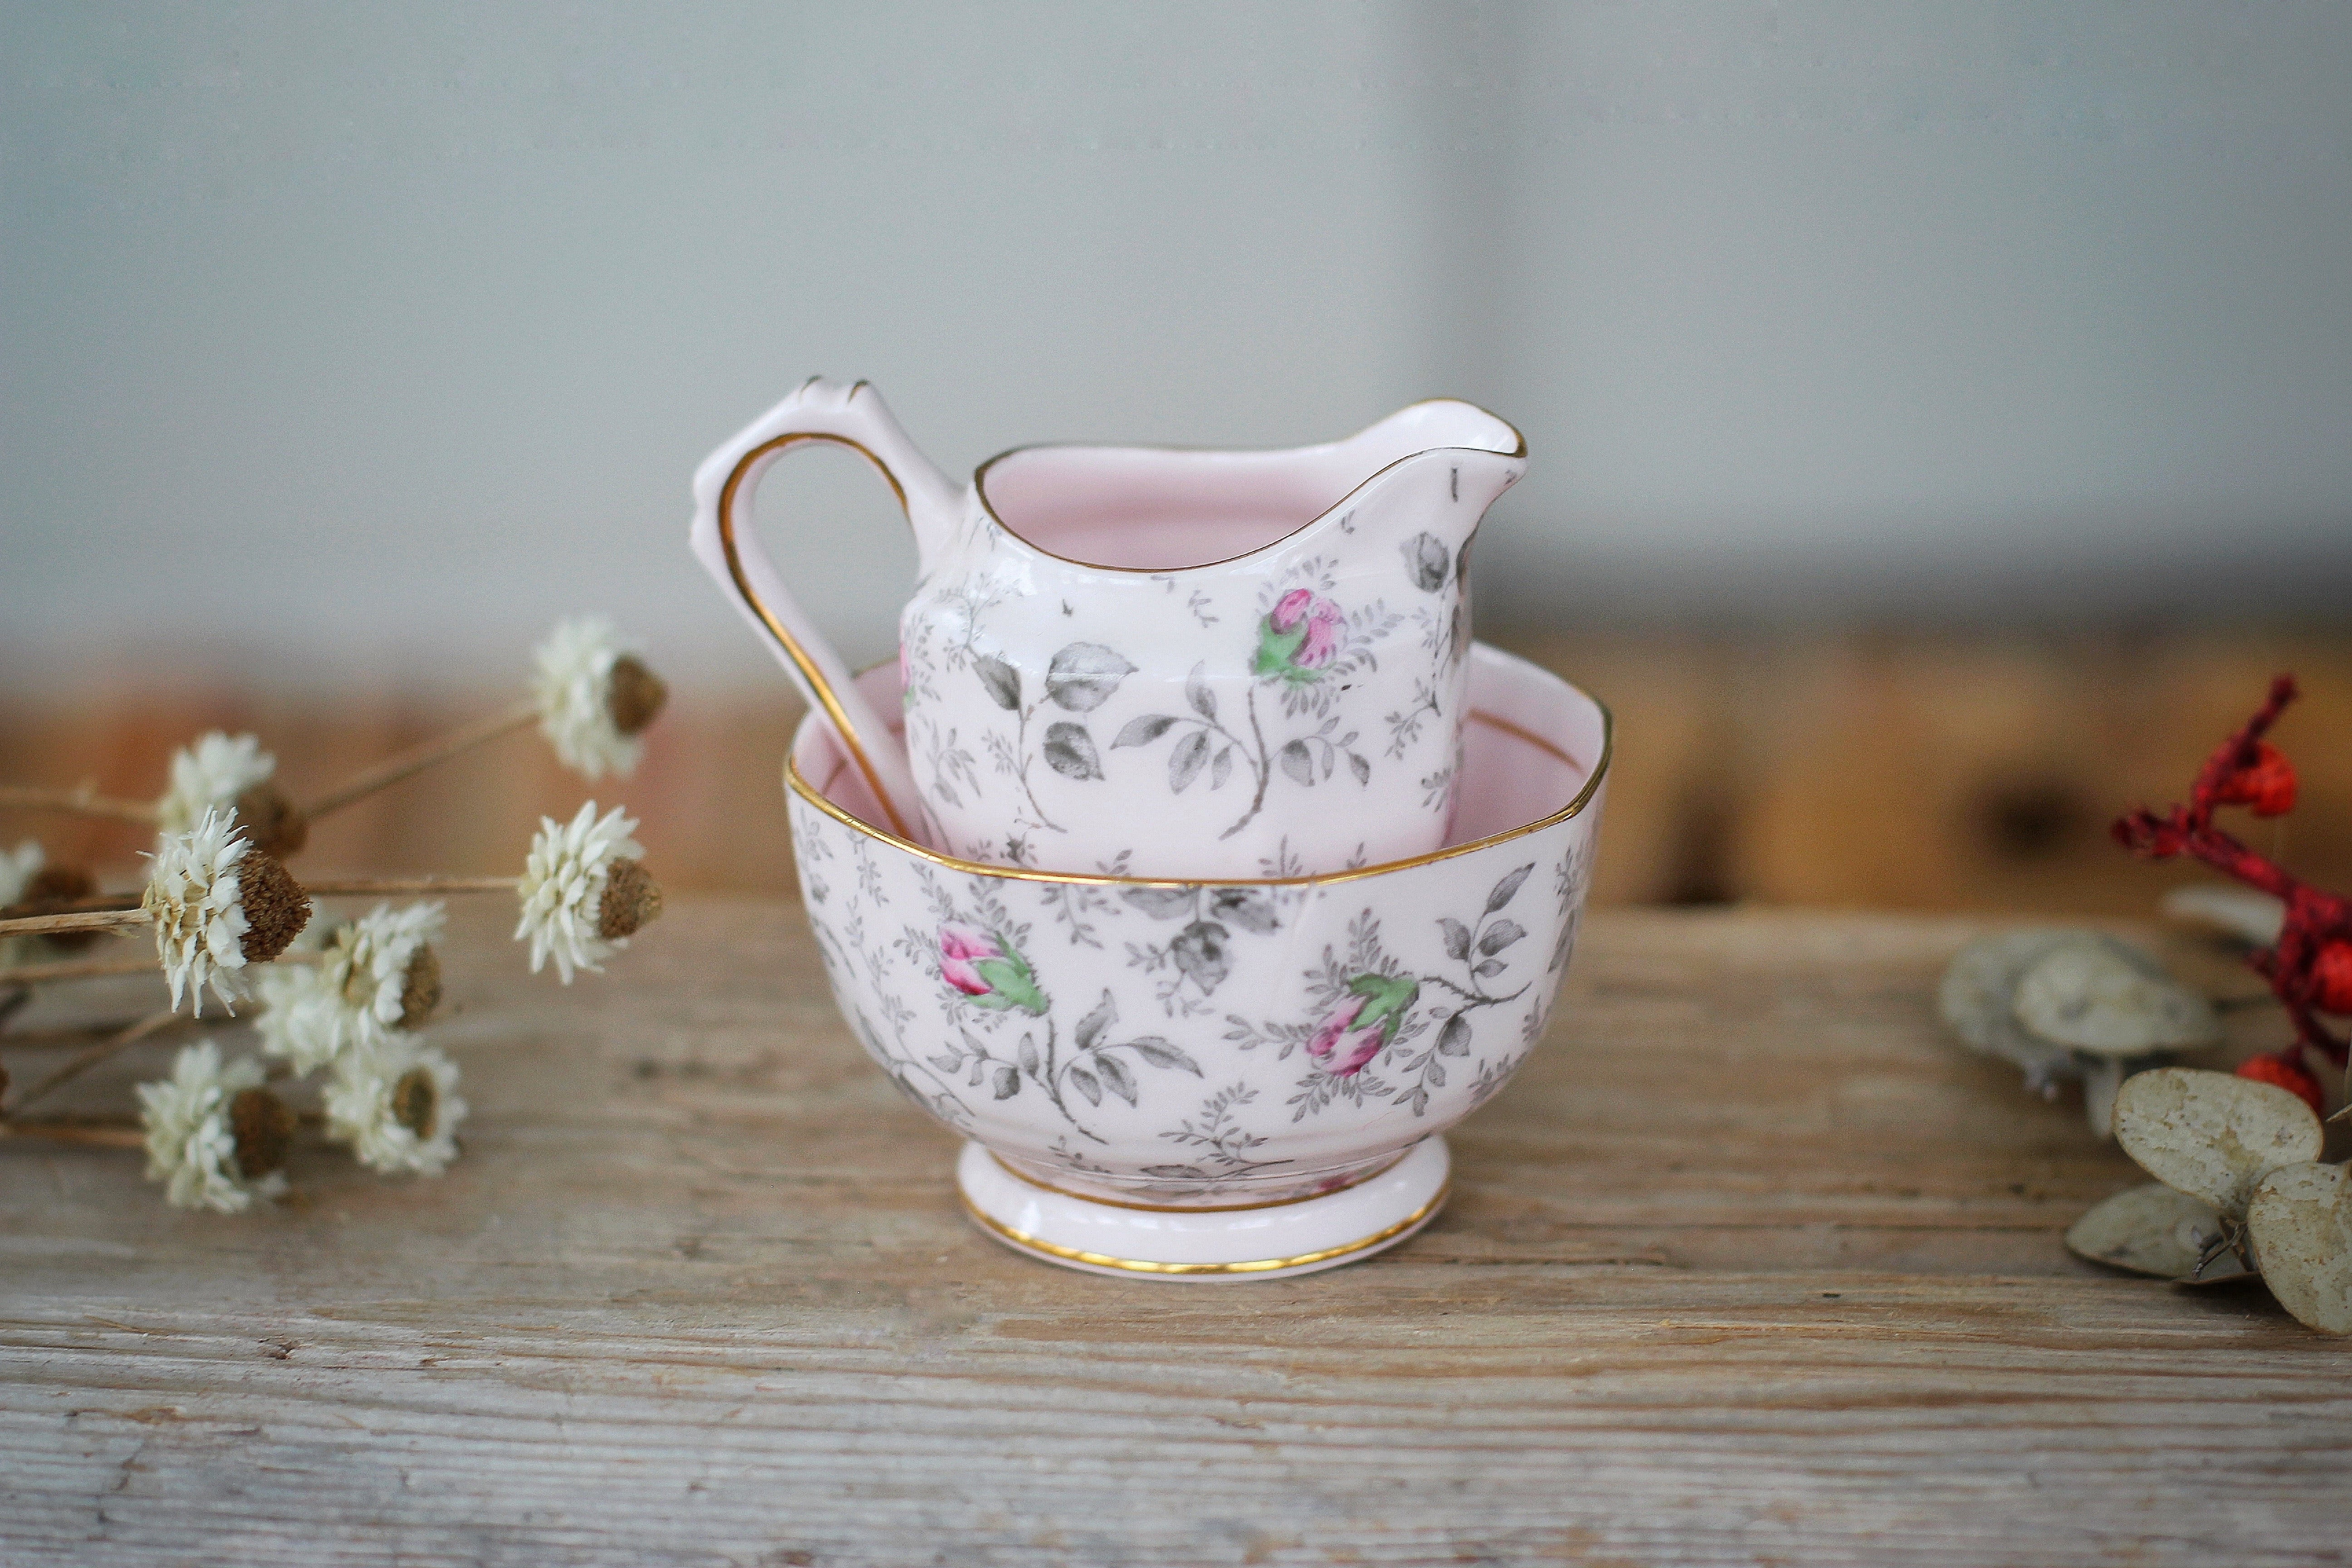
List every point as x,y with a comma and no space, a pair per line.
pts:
1263,1242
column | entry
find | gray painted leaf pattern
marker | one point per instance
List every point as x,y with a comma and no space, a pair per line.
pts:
1507,887
1186,760
1070,751
1197,693
1141,731
1084,674
1003,681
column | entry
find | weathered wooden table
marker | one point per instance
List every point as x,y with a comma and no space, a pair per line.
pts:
1748,1266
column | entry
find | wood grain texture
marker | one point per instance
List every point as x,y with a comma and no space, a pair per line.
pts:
1747,1266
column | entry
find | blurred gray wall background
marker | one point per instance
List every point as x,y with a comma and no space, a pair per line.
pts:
354,342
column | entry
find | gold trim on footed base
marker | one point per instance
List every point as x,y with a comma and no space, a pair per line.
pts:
1259,1266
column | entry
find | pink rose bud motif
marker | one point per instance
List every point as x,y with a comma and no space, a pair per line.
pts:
1298,638
984,967
1361,1025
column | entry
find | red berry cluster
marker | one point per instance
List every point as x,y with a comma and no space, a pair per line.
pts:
2310,967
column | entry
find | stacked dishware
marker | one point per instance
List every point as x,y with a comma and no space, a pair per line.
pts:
1203,870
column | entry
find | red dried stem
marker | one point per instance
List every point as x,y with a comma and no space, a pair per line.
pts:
2315,917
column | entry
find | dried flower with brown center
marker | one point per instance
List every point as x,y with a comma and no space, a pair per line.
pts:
374,974
276,907
594,697
632,899
416,1102
263,1126
200,1127
569,901
636,696
395,1103
211,772
275,824
420,987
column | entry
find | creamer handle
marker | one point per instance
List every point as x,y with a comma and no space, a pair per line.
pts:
853,416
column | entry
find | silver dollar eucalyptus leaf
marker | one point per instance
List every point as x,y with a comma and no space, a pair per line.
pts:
2253,918
1979,988
2151,1230
2302,1229
2213,1135
2092,997
2102,1076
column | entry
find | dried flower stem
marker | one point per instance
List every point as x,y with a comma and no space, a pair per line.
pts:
89,1056
90,1033
79,968
83,919
71,906
95,1134
417,758
349,887
369,887
81,798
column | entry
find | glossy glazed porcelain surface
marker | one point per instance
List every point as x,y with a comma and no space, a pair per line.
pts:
1152,662
1210,1045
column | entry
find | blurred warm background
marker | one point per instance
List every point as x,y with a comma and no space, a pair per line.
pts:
1938,411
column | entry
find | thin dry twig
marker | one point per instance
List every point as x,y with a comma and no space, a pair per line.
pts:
89,1033
82,799
96,1134
366,887
417,758
81,1061
79,968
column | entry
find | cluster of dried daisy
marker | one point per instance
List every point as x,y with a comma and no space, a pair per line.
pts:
348,1001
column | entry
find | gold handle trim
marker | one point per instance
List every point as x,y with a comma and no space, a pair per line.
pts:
809,672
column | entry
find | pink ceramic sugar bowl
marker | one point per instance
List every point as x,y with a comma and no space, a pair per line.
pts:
1222,1078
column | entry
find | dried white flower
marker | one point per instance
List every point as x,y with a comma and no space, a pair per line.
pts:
192,1142
393,1103
563,887
208,776
595,697
379,974
18,866
200,922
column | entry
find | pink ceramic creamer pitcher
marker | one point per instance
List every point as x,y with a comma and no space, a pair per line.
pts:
1160,663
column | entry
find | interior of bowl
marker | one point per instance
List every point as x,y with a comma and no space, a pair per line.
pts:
1531,746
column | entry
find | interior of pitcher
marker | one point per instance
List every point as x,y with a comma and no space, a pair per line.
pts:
1151,509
